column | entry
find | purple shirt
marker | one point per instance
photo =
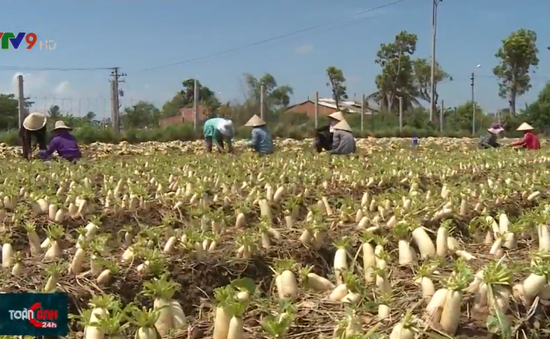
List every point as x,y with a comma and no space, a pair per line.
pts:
65,144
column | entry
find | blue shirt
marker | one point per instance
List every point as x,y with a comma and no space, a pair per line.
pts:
261,140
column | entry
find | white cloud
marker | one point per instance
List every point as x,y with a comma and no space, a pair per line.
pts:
38,85
64,89
303,49
31,82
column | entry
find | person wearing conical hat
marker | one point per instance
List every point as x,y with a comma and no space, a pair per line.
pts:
261,141
490,139
343,141
216,131
64,143
323,135
530,140
34,126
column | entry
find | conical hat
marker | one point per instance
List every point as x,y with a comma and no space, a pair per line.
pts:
525,127
34,121
337,116
255,121
343,125
60,125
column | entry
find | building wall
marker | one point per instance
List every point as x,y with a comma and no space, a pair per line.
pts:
186,116
308,108
165,122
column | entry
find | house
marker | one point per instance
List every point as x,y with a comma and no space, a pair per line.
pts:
169,121
327,106
186,116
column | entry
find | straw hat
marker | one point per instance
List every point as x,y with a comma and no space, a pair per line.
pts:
226,127
60,125
495,129
343,125
34,121
337,116
255,121
525,127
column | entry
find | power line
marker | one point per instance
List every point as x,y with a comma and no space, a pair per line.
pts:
36,69
261,42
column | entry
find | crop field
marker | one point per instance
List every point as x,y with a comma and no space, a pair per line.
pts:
443,241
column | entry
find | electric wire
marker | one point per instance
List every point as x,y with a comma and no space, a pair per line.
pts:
43,69
279,37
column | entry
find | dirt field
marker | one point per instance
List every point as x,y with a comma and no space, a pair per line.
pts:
139,197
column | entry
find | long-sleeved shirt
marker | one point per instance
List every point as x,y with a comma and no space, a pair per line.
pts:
489,141
25,138
323,139
66,146
529,141
261,140
343,142
210,130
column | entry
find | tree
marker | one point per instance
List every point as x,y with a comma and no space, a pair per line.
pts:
337,84
422,79
185,98
9,110
142,114
537,112
55,113
206,96
397,77
464,113
275,95
172,108
517,54
90,116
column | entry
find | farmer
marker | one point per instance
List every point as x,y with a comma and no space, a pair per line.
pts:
261,140
343,141
323,136
34,125
64,143
530,140
490,139
216,131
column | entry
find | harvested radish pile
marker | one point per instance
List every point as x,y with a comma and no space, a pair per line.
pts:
397,244
102,150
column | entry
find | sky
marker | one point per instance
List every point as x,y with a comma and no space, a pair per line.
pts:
139,35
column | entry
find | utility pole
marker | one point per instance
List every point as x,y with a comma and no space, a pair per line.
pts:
473,104
262,103
115,98
21,100
363,109
434,63
441,116
400,113
196,98
316,110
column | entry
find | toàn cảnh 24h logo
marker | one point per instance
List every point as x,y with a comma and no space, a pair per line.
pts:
31,40
34,314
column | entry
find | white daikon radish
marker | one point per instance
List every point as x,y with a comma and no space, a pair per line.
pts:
424,243
450,316
340,259
7,254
